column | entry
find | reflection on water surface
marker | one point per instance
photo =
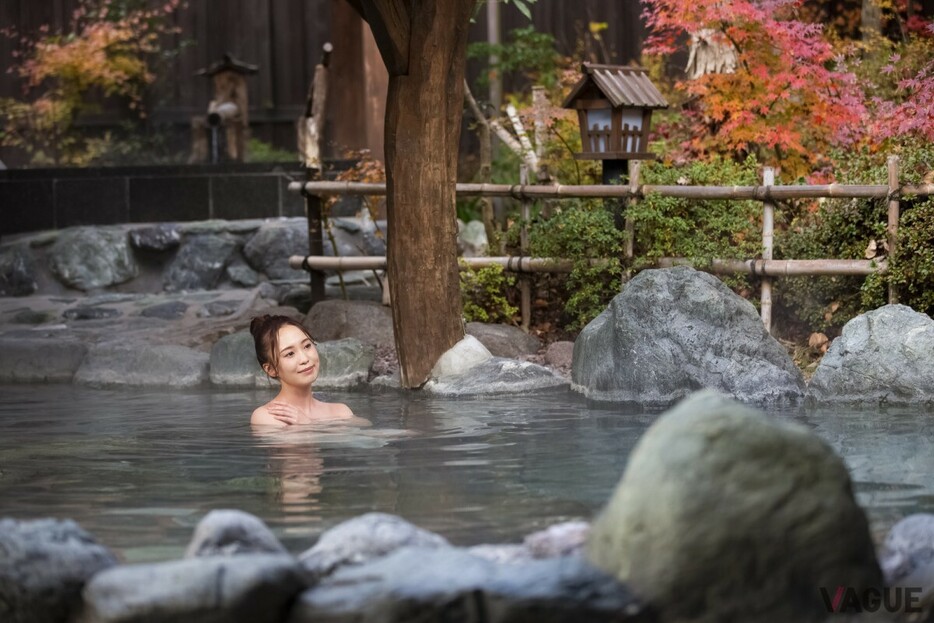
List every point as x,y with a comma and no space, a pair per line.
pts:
139,468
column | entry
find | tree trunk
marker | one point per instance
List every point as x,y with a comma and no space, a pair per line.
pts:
424,108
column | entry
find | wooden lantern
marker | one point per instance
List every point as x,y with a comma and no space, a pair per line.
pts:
614,104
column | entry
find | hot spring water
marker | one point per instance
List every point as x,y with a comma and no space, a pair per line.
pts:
138,468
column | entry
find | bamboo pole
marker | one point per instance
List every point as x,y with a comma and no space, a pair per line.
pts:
518,191
782,268
768,231
771,268
893,215
525,286
630,225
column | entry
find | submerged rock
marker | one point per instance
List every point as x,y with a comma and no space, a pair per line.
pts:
883,356
86,258
725,514
365,538
170,310
449,584
43,567
226,532
673,331
250,588
90,313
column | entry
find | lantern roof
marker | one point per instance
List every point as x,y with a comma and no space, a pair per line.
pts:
621,84
228,63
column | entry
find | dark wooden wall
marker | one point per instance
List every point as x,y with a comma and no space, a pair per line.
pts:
284,37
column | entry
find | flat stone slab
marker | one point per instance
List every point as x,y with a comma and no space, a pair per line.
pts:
143,365
39,360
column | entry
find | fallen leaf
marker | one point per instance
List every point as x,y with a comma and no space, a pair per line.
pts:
816,340
870,250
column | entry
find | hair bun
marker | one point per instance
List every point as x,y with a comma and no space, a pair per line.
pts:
256,325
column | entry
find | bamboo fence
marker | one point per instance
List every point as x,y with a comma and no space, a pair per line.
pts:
767,193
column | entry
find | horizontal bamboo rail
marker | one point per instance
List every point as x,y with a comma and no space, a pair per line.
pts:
518,264
782,268
533,191
767,193
523,264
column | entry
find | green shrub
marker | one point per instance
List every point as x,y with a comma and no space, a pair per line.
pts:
912,268
581,231
483,292
697,230
846,229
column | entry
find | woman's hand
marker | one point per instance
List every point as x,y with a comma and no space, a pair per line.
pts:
284,412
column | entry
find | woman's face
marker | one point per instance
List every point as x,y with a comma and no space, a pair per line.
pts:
297,359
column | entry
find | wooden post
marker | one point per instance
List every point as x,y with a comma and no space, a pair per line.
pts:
635,167
892,228
310,130
768,227
525,285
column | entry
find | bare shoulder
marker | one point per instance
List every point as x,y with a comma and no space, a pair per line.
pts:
262,417
340,410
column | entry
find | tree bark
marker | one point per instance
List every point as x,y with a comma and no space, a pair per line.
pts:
424,107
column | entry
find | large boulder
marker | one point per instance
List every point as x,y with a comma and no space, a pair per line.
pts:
250,588
268,250
882,356
143,365
504,340
449,584
233,361
674,331
87,258
229,532
368,321
18,273
200,262
40,359
344,363
725,514
365,538
43,566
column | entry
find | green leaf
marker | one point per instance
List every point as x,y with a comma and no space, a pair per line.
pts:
523,8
